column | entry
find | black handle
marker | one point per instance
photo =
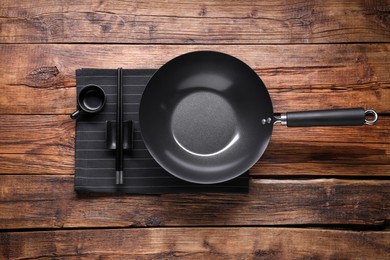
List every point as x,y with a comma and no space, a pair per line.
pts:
75,114
334,117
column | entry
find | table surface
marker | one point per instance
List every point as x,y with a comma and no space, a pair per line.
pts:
315,193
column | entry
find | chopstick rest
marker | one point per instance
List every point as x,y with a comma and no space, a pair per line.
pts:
127,135
111,142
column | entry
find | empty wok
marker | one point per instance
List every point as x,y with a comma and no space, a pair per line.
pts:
206,117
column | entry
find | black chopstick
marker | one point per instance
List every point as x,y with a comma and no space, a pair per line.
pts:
119,132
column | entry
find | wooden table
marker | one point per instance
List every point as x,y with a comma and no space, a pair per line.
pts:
316,193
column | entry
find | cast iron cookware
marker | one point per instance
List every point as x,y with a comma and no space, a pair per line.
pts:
206,117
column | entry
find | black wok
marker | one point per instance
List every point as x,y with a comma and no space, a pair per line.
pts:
206,117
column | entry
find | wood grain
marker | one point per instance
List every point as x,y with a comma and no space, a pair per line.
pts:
28,163
195,243
194,22
310,54
29,201
37,134
44,144
40,79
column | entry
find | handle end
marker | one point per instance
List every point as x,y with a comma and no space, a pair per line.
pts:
369,113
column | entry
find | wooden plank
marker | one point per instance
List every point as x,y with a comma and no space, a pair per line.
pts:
193,22
29,201
196,243
37,134
40,79
44,144
27,163
330,169
32,144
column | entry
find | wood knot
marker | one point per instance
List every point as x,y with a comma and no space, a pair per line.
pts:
43,73
106,27
153,221
253,13
43,77
266,253
203,11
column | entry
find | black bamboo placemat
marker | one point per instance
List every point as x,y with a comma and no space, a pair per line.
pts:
95,165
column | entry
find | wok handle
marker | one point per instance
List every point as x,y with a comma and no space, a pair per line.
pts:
333,117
